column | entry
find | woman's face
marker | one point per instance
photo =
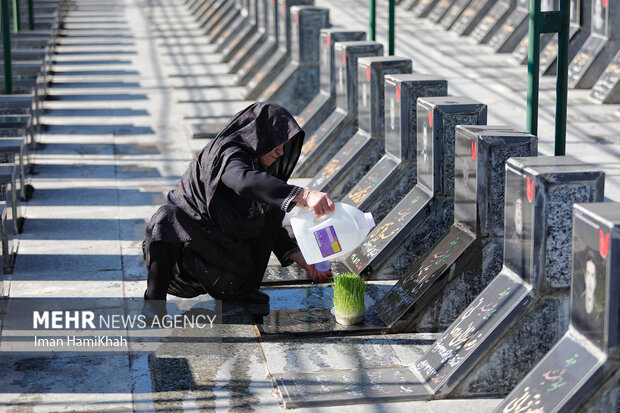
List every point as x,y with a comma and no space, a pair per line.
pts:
270,157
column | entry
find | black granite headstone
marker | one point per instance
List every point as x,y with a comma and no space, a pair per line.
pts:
222,26
265,52
513,30
440,10
395,173
329,137
325,102
248,50
605,90
493,20
469,256
570,374
365,148
298,83
454,13
424,7
471,16
600,48
229,49
240,30
279,60
425,214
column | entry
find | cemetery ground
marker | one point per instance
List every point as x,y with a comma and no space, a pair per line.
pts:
112,146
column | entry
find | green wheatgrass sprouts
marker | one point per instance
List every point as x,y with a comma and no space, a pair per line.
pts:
348,293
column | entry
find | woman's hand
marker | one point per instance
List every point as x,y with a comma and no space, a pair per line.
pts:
316,276
319,202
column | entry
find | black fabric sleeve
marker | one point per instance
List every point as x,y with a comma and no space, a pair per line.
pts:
245,181
284,247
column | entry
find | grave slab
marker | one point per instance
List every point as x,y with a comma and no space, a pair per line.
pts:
586,357
513,30
605,90
424,7
426,213
470,358
325,102
471,16
329,137
229,48
493,20
440,10
240,29
599,49
454,13
395,173
365,148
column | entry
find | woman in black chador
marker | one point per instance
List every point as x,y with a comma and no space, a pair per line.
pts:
223,219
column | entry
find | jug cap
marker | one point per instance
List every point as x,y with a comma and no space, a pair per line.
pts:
370,219
323,266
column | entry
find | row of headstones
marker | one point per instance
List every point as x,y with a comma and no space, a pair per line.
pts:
263,51
530,293
594,49
31,53
459,248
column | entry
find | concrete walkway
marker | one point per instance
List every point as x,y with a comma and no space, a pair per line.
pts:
113,146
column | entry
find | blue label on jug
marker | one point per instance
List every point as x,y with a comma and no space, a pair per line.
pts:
327,241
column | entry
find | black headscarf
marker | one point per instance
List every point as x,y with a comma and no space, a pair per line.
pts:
256,130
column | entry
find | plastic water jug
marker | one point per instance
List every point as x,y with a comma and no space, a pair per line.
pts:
333,235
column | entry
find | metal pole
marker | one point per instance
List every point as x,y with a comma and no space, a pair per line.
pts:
16,22
391,28
5,27
533,62
373,19
31,14
562,79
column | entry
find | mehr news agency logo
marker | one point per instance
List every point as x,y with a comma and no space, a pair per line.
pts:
88,320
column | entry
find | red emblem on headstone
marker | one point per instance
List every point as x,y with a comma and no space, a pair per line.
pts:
368,74
398,93
530,190
430,118
603,243
474,149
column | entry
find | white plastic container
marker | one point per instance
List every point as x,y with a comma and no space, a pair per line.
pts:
331,236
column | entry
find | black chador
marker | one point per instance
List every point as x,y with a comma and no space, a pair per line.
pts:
224,217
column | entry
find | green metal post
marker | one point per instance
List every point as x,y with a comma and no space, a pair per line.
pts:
533,63
31,14
562,79
16,22
391,28
5,27
373,19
